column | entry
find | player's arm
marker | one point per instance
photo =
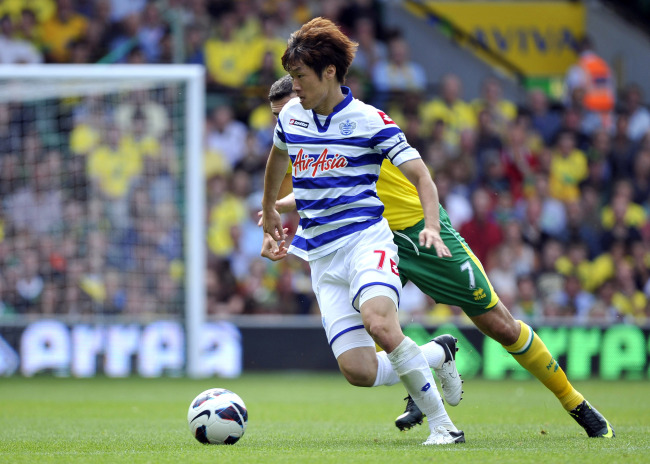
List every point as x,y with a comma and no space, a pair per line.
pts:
418,174
286,188
276,167
271,249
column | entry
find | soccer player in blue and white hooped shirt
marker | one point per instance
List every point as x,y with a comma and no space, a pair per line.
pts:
336,145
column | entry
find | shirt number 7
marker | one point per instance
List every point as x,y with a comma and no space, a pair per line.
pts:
382,259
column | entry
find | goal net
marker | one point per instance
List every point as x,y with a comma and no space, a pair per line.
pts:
101,221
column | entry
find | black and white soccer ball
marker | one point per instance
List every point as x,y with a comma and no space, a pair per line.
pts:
218,417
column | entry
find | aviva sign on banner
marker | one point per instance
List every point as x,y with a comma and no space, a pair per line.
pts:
540,38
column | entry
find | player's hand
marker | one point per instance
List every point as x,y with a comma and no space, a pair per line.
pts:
272,250
272,224
431,238
283,205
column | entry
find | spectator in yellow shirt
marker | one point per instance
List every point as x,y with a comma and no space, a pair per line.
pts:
456,114
227,59
575,262
630,302
503,111
114,165
61,29
622,211
139,140
227,212
268,42
43,9
568,168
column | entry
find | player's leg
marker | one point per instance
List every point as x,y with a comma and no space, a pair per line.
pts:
353,348
379,314
375,289
461,281
440,354
531,353
362,366
432,274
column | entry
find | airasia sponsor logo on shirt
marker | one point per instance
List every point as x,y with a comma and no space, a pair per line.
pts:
322,163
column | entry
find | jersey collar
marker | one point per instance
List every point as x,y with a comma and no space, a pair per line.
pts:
345,102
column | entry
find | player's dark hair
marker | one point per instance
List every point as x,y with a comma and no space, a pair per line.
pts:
318,44
281,88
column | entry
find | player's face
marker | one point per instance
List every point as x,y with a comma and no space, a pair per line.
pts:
311,90
277,106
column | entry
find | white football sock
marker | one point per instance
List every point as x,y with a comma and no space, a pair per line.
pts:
385,373
414,372
434,353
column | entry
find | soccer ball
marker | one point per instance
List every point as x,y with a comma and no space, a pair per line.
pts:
218,417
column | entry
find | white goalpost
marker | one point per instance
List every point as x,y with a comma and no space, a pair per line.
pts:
103,191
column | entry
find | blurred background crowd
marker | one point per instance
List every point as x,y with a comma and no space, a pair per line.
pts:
553,198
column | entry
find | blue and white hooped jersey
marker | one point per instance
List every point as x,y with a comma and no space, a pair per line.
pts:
336,163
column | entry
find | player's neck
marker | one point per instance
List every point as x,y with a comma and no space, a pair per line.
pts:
334,97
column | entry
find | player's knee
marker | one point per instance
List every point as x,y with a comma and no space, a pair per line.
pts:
511,333
380,320
386,333
505,329
506,334
378,327
499,325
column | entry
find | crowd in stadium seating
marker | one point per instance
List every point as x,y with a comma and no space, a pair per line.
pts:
89,221
554,201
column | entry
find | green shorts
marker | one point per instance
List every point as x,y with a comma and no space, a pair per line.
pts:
458,281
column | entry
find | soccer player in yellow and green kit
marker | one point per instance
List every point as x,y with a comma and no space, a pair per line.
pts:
458,280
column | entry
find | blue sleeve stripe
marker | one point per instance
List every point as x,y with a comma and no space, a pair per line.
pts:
332,235
281,136
326,203
333,182
366,211
384,135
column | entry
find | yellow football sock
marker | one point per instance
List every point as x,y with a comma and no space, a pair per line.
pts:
531,353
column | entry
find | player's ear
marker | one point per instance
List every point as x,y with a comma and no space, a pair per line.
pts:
330,72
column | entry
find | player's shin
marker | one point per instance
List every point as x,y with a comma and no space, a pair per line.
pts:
413,370
531,353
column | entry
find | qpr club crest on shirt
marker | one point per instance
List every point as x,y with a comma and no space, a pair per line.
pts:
347,127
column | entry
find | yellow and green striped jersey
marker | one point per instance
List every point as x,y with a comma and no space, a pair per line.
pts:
399,196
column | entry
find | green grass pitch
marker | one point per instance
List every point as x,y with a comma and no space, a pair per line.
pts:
308,418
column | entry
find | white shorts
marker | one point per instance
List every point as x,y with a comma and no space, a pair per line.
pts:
364,267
